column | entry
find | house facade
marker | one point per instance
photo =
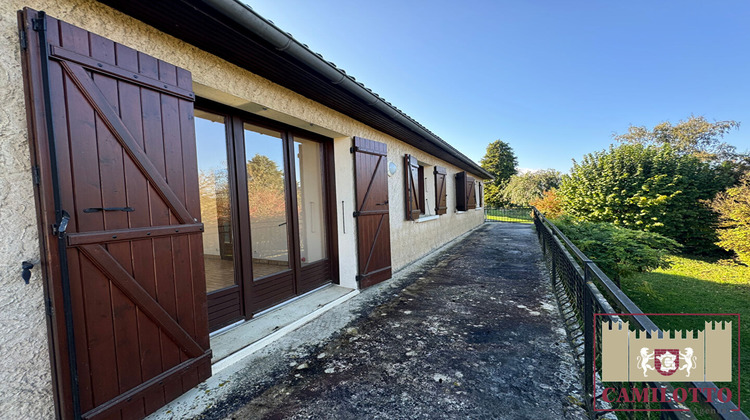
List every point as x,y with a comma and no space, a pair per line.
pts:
174,168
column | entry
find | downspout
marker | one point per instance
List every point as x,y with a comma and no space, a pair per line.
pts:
282,41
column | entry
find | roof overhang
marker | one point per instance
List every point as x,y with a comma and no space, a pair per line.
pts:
233,31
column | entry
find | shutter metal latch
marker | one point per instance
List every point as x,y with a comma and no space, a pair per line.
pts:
96,209
355,214
353,149
59,228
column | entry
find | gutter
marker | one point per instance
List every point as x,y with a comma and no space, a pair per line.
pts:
244,15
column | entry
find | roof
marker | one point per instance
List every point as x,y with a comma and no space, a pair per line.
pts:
236,33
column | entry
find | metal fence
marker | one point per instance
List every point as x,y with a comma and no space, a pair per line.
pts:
589,291
508,214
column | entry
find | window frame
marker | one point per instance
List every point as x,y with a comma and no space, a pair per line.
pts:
235,119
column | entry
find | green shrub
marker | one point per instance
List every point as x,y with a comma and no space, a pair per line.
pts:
618,251
733,207
652,189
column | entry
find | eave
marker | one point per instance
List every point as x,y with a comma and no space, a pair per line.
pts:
233,31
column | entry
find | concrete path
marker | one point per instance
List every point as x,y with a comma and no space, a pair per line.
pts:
476,333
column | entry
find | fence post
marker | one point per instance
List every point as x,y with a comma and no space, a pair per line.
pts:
589,337
554,264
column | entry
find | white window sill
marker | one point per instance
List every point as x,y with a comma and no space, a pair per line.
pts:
426,219
460,212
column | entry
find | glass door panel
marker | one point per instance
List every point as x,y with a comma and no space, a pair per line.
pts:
213,178
308,162
266,180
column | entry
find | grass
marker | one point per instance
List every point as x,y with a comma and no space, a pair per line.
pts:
515,215
695,285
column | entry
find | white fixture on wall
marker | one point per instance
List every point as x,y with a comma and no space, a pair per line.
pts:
391,168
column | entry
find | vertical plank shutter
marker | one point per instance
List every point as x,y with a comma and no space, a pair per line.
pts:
441,194
372,211
125,157
471,193
412,191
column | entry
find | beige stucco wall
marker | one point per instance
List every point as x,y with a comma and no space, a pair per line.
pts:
409,239
25,376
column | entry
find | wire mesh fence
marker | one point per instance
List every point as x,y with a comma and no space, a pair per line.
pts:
508,214
588,291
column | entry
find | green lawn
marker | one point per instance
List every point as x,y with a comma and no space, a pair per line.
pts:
694,285
515,215
508,219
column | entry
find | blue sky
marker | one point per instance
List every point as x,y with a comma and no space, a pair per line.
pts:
554,79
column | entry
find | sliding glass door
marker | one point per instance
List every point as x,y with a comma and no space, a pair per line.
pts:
264,206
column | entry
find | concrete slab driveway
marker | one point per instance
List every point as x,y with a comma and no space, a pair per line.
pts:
476,334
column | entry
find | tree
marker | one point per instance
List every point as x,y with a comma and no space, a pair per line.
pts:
695,136
733,207
213,185
265,187
647,188
262,171
523,188
493,196
549,204
500,162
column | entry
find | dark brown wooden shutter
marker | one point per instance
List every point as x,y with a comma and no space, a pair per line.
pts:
126,172
411,191
372,212
466,197
441,194
471,193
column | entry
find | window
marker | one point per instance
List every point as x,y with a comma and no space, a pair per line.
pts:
425,195
216,212
466,197
265,194
426,189
421,189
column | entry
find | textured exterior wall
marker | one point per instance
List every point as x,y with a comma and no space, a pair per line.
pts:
409,239
25,380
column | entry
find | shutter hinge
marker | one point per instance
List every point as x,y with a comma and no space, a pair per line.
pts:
23,39
355,214
353,149
59,228
359,278
39,25
48,307
35,175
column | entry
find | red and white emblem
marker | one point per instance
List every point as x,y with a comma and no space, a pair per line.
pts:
666,361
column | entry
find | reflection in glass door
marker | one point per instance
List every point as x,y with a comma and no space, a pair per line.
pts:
311,215
213,178
265,210
267,200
